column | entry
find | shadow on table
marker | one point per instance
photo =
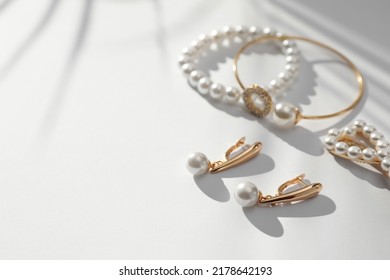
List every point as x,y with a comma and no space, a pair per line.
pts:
267,219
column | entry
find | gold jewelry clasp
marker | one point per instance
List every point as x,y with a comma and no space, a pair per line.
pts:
250,151
305,192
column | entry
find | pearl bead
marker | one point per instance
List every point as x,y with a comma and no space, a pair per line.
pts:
354,152
187,69
194,77
375,137
227,31
334,132
204,86
382,144
246,194
197,163
369,154
269,31
204,38
291,51
189,51
292,68
241,30
232,95
341,148
349,131
215,35
292,59
359,124
274,87
382,153
288,44
368,129
183,59
330,141
385,164
254,31
217,91
285,114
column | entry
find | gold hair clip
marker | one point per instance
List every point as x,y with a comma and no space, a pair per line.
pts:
361,143
197,163
285,114
248,195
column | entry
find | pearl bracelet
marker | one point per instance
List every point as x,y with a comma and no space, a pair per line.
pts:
351,143
231,94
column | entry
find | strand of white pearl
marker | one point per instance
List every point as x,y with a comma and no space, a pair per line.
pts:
231,94
382,146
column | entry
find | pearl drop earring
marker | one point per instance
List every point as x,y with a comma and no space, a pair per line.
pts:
285,114
247,194
198,163
362,143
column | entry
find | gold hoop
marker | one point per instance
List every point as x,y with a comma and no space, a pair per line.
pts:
288,115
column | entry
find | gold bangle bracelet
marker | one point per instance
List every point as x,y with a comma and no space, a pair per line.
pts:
285,114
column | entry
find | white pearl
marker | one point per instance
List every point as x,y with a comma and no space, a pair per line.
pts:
285,77
183,59
292,68
217,91
269,31
194,77
204,85
354,152
368,154
341,148
382,144
274,87
292,59
368,129
187,69
197,163
227,31
291,51
385,164
232,95
288,44
382,153
189,52
246,194
349,131
254,31
241,30
330,141
334,132
359,124
375,137
215,35
285,114
205,39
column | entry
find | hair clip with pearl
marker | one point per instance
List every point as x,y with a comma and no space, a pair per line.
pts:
284,114
247,194
360,143
198,164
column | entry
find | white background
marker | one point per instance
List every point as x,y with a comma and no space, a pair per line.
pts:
96,122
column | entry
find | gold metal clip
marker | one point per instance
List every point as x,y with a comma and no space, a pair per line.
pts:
250,151
307,191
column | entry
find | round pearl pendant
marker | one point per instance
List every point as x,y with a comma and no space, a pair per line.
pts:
246,194
197,164
285,114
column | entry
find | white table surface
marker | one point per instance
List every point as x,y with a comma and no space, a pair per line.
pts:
96,122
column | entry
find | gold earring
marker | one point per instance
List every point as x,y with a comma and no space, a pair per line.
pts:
361,143
248,195
198,164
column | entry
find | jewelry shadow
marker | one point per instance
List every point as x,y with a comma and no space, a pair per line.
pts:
266,219
213,186
374,178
